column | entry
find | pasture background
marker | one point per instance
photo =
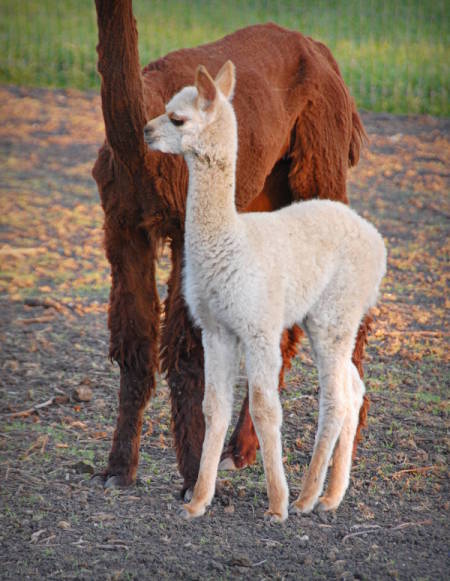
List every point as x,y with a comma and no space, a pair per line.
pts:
393,55
54,285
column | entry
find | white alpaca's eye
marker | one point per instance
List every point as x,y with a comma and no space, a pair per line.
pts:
176,122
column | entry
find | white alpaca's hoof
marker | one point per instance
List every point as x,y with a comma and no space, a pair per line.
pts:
186,515
275,517
188,512
303,507
326,504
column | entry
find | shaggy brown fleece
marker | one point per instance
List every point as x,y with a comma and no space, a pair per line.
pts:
299,131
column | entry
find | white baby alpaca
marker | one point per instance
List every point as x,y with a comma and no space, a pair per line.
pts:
249,276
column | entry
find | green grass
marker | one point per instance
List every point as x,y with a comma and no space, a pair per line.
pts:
393,54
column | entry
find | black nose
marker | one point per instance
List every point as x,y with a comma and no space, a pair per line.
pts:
148,132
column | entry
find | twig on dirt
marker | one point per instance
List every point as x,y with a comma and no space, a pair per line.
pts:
63,484
25,413
41,443
430,206
423,333
11,251
436,209
26,477
417,470
113,547
48,303
80,543
406,525
359,533
43,319
271,542
258,563
35,536
44,443
32,410
367,531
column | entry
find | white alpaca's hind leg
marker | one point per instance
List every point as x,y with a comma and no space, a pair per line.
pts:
221,365
342,457
265,408
332,357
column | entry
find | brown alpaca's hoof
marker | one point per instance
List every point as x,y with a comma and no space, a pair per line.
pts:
97,480
108,480
233,459
228,463
186,493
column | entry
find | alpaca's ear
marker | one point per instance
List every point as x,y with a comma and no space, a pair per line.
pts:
226,80
206,88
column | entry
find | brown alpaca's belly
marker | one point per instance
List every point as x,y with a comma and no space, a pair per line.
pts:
276,192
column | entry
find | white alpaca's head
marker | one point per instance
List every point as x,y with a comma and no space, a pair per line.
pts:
199,119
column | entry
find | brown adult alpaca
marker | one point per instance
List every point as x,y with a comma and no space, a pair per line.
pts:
298,133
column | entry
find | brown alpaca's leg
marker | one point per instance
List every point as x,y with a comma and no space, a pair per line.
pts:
358,358
241,449
134,318
182,362
135,391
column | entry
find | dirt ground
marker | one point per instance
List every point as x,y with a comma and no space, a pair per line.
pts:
54,283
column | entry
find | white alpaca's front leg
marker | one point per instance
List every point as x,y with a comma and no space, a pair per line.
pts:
263,365
221,364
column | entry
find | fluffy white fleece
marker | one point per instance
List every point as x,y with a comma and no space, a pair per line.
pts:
249,276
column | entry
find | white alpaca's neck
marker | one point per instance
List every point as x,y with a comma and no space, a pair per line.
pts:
211,210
